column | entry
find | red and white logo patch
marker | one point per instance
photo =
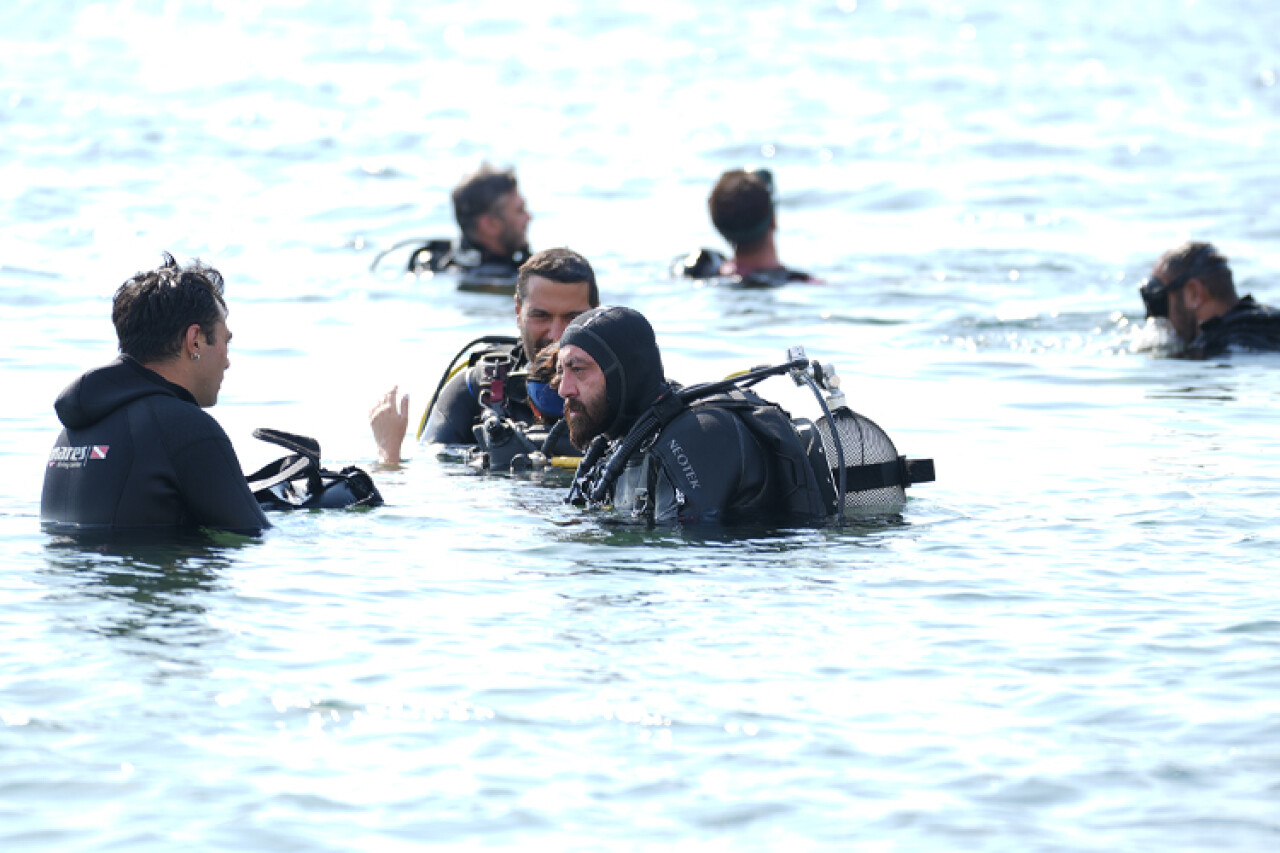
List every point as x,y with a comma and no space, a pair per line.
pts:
76,457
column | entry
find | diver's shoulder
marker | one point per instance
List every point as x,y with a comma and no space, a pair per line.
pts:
473,268
716,268
181,423
1249,326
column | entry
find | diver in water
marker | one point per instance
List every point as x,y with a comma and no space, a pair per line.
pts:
137,450
1192,287
494,221
552,288
700,463
742,210
715,452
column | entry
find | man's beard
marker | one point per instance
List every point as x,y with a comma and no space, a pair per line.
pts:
513,241
587,422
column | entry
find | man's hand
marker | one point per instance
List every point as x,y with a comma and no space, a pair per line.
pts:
389,425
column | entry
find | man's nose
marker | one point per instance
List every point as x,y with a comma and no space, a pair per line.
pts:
558,327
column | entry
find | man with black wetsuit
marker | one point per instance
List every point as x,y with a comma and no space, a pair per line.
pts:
494,221
701,462
553,287
742,210
1192,286
138,452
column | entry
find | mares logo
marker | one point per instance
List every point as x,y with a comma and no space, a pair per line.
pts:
76,457
677,452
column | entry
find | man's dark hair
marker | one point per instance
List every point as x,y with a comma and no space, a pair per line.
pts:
1201,261
479,193
153,310
561,265
742,208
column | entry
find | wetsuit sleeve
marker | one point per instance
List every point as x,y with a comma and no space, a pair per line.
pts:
709,466
214,487
455,412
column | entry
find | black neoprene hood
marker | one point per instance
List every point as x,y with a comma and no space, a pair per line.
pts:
622,342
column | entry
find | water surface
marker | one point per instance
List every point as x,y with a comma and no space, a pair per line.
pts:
1066,643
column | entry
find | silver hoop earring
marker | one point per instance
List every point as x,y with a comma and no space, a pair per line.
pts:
195,356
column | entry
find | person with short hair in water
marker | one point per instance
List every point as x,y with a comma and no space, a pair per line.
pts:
137,450
742,210
493,219
1192,287
553,287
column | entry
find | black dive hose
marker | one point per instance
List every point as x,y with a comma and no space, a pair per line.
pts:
505,340
618,461
667,407
749,378
595,450
835,439
553,435
373,267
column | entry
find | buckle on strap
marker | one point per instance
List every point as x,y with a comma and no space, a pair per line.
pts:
667,407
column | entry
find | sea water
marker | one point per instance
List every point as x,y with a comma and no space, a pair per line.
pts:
1068,642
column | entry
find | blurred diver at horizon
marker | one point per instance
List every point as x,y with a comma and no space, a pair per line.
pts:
552,288
1191,288
493,223
742,210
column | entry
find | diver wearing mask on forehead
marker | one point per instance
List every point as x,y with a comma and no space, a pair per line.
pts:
553,287
717,452
1192,288
742,210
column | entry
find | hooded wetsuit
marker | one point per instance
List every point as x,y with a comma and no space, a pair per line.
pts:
138,452
1247,327
703,465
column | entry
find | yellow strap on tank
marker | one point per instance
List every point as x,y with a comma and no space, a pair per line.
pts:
569,462
422,424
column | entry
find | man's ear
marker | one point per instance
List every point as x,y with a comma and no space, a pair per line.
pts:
191,340
1195,294
488,226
